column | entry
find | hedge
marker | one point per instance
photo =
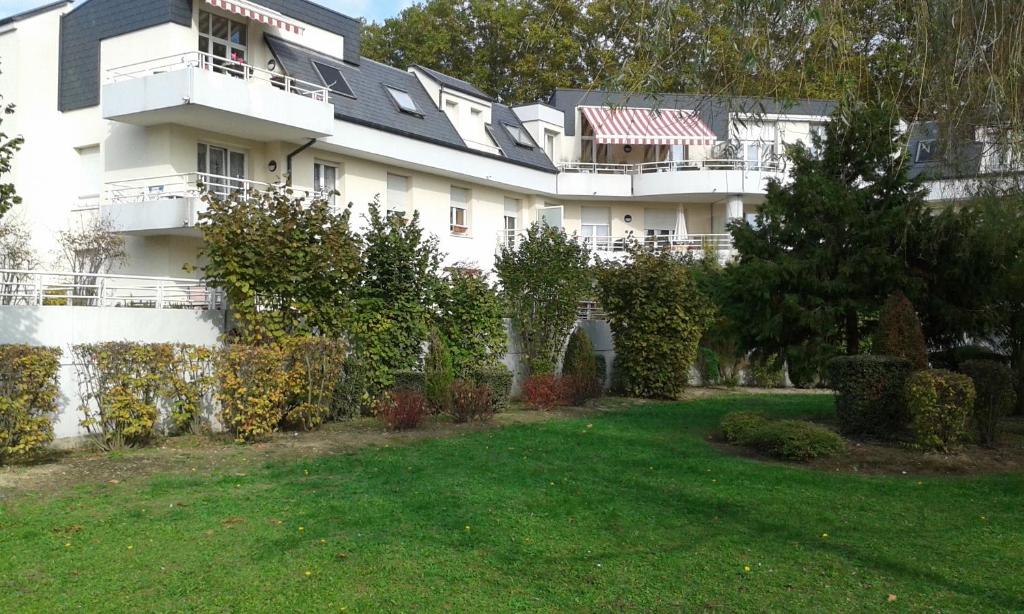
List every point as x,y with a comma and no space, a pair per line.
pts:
28,398
499,380
940,404
995,396
794,440
869,394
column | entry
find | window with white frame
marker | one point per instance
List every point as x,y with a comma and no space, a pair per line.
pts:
225,40
221,170
926,150
90,175
398,195
549,144
519,135
595,225
325,180
459,211
551,215
659,225
510,218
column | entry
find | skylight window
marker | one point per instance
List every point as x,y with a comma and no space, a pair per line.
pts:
333,79
520,136
404,101
925,151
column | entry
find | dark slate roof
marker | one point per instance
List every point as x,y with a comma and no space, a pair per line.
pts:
372,105
33,12
83,28
949,162
713,110
454,84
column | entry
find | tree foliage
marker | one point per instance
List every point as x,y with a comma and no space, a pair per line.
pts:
287,265
543,279
470,316
8,147
658,315
899,332
830,245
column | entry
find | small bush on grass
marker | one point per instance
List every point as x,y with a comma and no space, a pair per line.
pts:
28,399
401,410
579,369
314,366
899,332
498,380
869,394
940,403
438,375
995,396
544,392
190,384
253,390
737,426
352,393
471,402
794,440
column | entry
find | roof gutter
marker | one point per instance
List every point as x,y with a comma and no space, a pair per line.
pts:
288,164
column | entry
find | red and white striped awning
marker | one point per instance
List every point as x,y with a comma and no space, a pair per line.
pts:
258,13
635,126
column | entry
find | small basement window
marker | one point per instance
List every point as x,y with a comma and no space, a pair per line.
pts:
404,101
333,79
519,135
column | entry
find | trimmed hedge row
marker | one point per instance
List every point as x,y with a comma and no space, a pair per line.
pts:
869,394
28,399
497,378
940,404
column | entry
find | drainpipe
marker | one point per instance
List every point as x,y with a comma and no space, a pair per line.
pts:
292,155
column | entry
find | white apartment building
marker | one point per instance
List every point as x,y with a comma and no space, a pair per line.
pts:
126,105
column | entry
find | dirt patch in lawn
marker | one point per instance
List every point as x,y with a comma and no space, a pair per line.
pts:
60,471
879,458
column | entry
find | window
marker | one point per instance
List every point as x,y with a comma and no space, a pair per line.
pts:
333,79
519,135
452,110
325,180
551,215
595,226
659,226
225,42
398,195
509,221
222,170
459,211
404,101
549,144
925,151
90,174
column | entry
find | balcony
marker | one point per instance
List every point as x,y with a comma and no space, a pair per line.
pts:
62,288
697,179
171,204
210,93
697,246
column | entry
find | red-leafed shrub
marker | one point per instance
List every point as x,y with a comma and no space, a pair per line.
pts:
544,391
401,409
471,401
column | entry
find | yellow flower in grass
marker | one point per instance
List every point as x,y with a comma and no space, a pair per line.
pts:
746,569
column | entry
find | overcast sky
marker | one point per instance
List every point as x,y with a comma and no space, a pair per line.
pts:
372,10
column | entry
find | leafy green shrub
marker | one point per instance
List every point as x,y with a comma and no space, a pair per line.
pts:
305,416
314,366
766,372
401,410
951,358
940,403
869,394
708,366
189,385
544,392
543,279
498,380
409,380
471,319
794,440
28,398
738,426
807,363
579,369
899,332
352,393
438,375
253,389
995,396
658,316
471,401
120,384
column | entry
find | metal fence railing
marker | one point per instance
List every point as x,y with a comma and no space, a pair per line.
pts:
26,287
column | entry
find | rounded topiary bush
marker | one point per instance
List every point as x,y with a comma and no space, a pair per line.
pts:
899,332
869,394
795,440
995,397
940,404
738,426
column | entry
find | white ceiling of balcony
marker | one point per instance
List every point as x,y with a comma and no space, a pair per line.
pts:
262,14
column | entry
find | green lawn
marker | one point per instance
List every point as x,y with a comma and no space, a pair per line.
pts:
630,510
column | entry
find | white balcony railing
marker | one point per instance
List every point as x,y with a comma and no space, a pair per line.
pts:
601,168
697,245
188,185
26,287
214,63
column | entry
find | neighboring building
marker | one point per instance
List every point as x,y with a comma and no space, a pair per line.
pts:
127,105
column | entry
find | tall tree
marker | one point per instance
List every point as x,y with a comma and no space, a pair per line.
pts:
828,246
